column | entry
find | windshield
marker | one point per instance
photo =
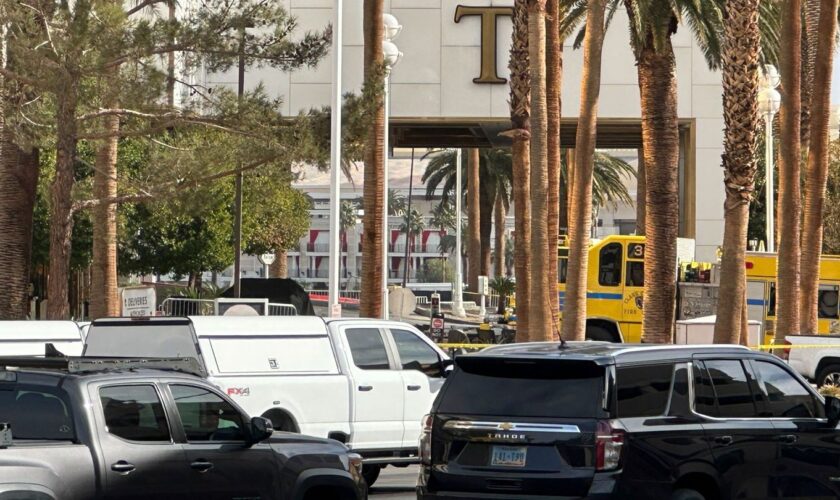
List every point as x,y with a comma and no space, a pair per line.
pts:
36,412
140,340
523,390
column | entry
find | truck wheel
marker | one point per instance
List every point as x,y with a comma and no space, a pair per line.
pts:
683,494
830,375
371,473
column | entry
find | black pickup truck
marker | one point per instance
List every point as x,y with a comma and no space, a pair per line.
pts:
79,429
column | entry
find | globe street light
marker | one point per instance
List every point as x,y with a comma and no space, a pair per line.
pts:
391,56
769,101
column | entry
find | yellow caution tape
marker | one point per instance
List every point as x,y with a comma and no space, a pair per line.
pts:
466,346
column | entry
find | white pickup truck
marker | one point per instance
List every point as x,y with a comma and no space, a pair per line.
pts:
815,357
364,382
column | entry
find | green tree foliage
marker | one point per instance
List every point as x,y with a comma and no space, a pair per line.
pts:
275,215
436,271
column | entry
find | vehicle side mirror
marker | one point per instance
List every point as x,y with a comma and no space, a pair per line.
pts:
832,411
444,367
261,429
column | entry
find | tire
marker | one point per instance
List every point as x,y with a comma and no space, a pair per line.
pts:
683,494
829,375
599,333
371,473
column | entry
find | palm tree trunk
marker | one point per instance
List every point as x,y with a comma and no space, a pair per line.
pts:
501,217
473,218
810,42
486,202
104,294
61,209
520,112
641,189
817,170
18,189
790,204
660,138
541,325
740,111
574,313
280,267
553,88
370,305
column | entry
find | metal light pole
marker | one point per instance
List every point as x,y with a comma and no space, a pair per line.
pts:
457,292
237,217
392,56
769,101
335,166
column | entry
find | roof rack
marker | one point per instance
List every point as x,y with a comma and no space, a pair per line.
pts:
72,364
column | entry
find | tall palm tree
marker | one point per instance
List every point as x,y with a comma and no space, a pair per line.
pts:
541,326
741,44
555,10
397,203
412,225
474,216
372,241
580,219
103,291
817,169
347,219
520,134
500,216
652,23
19,170
443,218
790,205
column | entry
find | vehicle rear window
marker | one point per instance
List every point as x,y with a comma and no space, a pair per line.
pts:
36,412
140,340
525,389
643,390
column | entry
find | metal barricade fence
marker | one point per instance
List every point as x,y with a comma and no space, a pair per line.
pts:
183,306
282,310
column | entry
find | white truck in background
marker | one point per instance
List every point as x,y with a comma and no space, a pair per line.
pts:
364,382
29,338
815,357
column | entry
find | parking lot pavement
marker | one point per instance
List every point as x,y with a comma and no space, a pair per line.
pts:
396,484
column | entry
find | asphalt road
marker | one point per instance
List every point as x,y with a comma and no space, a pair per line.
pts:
395,483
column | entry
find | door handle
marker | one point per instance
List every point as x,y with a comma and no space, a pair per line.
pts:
789,438
365,388
413,388
123,467
201,465
723,440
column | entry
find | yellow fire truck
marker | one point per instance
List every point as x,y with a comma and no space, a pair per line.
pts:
615,291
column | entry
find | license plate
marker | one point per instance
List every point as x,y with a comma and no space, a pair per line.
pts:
508,456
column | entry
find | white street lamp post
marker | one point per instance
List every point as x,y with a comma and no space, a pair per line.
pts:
769,101
335,166
457,291
392,56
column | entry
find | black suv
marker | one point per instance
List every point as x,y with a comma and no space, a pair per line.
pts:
598,420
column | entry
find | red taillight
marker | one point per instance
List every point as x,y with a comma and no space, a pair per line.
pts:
749,265
608,445
785,353
426,441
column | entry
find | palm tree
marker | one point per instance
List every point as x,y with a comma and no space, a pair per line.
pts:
555,10
103,291
652,23
580,219
541,326
520,133
495,173
741,44
347,219
412,225
790,205
474,216
817,170
397,203
19,170
443,218
372,241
